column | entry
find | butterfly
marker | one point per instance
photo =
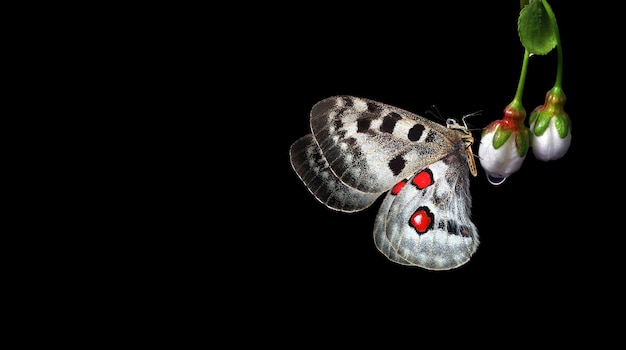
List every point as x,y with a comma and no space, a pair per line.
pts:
358,149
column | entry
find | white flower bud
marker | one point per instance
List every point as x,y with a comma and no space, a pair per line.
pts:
499,163
549,146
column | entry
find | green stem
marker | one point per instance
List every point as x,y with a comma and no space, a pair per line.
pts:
517,101
559,68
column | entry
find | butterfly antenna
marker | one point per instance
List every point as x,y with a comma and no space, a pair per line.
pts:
436,113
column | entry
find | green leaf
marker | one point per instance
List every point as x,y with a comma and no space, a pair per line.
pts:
523,3
500,137
562,124
535,29
542,123
522,141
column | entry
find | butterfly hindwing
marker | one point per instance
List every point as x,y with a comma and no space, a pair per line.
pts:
425,220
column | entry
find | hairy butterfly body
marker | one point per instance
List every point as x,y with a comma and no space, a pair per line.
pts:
358,149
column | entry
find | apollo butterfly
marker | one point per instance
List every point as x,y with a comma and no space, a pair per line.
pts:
358,149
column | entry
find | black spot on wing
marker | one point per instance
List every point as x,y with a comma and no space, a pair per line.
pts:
452,227
416,132
456,229
389,122
363,125
430,137
373,107
397,164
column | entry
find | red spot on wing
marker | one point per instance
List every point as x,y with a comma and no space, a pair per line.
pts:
422,220
465,231
396,189
423,179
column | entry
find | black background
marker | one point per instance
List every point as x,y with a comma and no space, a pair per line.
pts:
544,232
240,240
462,58
208,219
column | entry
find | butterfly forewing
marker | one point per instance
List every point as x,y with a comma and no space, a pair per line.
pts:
313,169
371,146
